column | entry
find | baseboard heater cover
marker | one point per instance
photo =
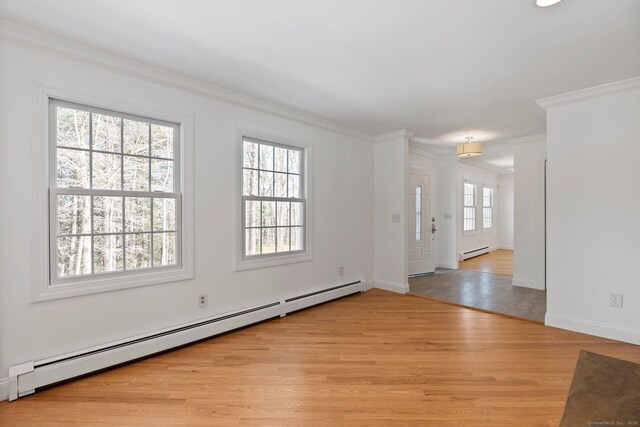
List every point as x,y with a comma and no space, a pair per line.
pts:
474,252
25,378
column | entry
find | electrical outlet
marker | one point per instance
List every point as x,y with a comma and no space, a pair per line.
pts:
341,271
202,300
615,300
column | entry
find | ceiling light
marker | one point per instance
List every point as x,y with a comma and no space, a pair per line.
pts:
469,149
546,3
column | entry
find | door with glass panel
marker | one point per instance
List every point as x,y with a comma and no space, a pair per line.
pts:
422,226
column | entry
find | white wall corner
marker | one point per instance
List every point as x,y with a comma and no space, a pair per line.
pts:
4,389
593,328
449,265
589,93
401,288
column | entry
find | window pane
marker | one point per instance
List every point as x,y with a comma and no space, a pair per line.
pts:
252,241
294,186
162,141
280,189
294,161
136,137
164,249
74,214
266,184
297,213
72,128
137,214
72,168
107,253
137,250
106,133
164,214
74,256
266,157
252,213
280,157
268,214
297,238
249,154
107,214
418,213
106,171
136,173
283,239
250,183
283,213
162,175
268,240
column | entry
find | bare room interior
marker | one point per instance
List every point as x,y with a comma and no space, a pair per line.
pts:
320,213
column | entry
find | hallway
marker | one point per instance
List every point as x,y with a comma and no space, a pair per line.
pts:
499,261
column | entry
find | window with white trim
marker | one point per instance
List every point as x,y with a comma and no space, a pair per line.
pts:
273,199
469,207
115,201
487,207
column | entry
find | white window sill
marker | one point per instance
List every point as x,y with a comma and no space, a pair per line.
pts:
97,284
271,261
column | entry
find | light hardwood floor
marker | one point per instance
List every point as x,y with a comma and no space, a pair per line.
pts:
499,261
370,359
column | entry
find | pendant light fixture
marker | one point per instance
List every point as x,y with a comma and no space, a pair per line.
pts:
469,149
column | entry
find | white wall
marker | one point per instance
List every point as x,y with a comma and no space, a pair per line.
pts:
529,155
448,213
480,237
391,153
593,210
505,211
343,223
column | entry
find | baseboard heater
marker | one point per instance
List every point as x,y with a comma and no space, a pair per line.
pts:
25,378
474,252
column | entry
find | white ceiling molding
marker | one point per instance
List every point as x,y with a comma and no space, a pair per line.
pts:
397,134
431,152
541,137
54,45
592,92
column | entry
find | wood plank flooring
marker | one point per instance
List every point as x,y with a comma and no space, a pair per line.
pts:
371,359
499,261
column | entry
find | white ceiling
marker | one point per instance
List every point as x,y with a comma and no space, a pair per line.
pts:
442,68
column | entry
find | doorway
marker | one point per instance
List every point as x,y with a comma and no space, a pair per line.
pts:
422,224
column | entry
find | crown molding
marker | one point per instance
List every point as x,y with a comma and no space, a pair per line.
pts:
588,93
27,37
430,152
541,137
396,134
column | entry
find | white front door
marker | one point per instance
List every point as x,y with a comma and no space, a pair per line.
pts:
421,225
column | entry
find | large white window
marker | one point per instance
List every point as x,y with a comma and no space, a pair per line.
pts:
469,207
273,200
114,198
487,207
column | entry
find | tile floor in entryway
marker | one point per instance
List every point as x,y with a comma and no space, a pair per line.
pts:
492,292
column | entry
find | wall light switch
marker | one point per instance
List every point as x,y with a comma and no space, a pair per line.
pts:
395,217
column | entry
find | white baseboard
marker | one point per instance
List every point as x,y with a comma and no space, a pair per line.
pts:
525,283
401,288
451,266
4,389
593,328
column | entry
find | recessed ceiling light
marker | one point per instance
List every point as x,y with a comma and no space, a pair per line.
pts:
547,3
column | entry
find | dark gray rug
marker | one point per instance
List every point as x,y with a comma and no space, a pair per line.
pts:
604,392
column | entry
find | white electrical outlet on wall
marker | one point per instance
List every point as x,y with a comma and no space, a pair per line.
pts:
615,300
202,300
